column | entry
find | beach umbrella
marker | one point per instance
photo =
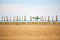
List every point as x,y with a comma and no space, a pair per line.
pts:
36,17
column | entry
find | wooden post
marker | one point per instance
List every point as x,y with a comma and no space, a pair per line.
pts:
30,18
37,18
10,18
48,18
24,18
4,18
45,19
14,18
52,19
42,18
56,18
17,18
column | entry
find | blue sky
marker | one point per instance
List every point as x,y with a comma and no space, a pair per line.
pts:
30,8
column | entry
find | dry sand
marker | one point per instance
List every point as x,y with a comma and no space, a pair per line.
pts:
29,32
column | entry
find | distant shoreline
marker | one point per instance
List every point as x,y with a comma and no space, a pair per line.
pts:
30,21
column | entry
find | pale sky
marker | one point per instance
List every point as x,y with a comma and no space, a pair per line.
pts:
30,8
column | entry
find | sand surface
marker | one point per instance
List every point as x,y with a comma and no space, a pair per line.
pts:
29,32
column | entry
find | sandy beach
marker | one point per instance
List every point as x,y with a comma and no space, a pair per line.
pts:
29,32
